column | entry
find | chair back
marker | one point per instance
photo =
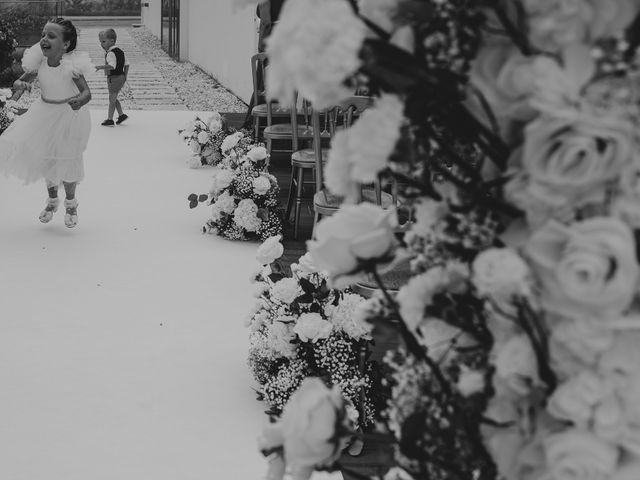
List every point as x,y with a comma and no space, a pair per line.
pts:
295,123
258,74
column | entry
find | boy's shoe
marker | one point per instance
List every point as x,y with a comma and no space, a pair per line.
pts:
71,215
107,123
122,118
50,208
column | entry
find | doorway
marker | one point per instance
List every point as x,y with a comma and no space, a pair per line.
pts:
170,32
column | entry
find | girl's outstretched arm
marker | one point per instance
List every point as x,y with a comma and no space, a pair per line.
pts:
24,82
84,96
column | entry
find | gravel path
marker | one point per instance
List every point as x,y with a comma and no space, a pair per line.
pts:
196,89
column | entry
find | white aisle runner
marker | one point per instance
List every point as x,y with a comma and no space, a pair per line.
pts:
122,345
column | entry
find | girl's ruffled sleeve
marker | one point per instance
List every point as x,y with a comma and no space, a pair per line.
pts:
79,63
32,58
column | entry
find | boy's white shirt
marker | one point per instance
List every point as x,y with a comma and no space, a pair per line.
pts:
111,57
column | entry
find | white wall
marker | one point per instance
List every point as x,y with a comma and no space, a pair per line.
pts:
214,36
151,16
221,42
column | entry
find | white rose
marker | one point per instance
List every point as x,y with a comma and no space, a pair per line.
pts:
501,273
203,137
306,265
261,185
344,317
286,290
621,361
222,178
311,327
470,381
609,420
415,295
230,141
588,269
195,146
270,250
313,430
584,339
353,233
576,399
579,455
257,153
225,203
516,364
215,122
280,335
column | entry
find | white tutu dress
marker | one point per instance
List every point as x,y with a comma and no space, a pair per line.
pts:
49,139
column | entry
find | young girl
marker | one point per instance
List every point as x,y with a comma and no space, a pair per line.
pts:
48,140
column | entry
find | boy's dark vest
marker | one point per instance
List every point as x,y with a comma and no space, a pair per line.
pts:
119,70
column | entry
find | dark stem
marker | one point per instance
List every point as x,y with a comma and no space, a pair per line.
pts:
412,344
632,35
541,345
487,109
380,32
516,35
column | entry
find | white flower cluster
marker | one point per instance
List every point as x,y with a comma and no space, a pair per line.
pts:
289,320
360,153
344,316
225,203
314,50
200,136
245,215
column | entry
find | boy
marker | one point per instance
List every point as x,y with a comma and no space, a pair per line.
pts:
116,69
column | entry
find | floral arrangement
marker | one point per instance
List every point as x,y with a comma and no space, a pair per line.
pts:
7,110
512,128
243,195
301,328
204,138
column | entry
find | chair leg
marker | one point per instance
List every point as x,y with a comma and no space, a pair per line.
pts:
299,186
256,129
269,141
292,193
316,218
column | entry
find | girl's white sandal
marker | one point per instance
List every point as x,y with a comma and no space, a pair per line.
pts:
71,215
50,208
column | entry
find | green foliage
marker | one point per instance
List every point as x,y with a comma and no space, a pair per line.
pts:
103,7
8,42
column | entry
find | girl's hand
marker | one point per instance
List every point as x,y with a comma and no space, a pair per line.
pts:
75,103
21,86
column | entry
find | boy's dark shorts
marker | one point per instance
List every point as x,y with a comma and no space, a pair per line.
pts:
115,83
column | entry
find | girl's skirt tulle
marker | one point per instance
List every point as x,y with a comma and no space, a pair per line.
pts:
46,142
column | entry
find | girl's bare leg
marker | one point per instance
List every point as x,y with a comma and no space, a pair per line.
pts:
70,189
